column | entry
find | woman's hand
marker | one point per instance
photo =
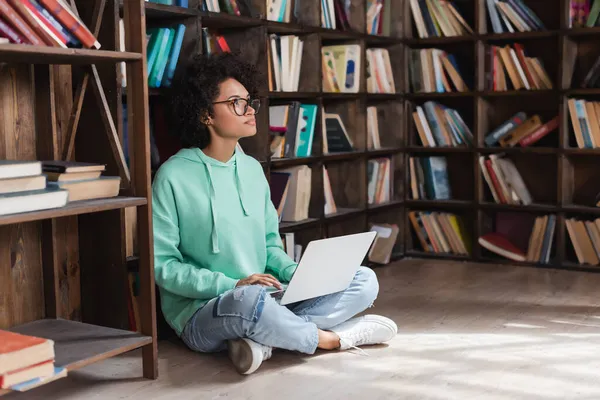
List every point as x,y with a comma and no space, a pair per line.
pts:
260,279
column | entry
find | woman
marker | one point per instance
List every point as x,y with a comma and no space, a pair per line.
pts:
216,240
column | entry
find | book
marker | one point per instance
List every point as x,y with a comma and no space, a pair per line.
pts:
19,351
34,200
500,245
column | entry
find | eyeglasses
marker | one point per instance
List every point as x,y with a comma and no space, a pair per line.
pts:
240,105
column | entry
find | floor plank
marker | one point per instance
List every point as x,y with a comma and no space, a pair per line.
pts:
466,331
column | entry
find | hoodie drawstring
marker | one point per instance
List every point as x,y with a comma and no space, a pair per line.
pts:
213,209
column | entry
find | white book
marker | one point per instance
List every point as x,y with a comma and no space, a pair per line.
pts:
35,200
275,59
19,169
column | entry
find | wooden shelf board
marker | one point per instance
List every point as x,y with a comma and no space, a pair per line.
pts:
550,208
519,35
291,226
432,95
582,92
74,208
440,40
341,96
289,162
575,151
439,203
380,40
344,213
334,34
523,92
383,96
293,95
574,32
78,344
23,53
160,11
440,149
384,206
224,20
284,27
383,151
574,208
426,254
517,150
345,156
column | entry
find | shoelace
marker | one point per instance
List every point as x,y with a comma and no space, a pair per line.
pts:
361,336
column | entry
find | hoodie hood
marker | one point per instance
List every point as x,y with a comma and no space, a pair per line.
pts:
197,155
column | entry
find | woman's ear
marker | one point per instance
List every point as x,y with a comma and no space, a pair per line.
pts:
206,119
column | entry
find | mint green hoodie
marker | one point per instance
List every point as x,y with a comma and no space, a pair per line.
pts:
214,224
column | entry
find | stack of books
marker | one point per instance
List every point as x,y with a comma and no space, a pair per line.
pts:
285,60
340,68
26,361
434,70
504,180
520,129
440,232
292,128
429,178
23,188
585,121
164,46
514,15
291,192
380,78
511,69
438,125
83,181
435,18
380,180
44,23
585,236
510,239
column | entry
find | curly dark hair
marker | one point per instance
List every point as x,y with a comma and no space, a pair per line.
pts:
194,90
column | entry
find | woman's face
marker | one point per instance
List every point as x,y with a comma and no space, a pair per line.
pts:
233,115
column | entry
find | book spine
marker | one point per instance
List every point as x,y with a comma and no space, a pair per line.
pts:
19,24
21,9
506,127
52,23
11,34
65,16
540,132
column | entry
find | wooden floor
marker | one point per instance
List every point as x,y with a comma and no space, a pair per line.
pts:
466,331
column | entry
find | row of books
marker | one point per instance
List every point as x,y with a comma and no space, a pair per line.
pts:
380,178
340,68
435,18
585,236
379,17
584,13
380,78
504,180
512,16
163,49
291,192
44,23
434,70
429,178
335,14
512,69
292,128
585,121
438,125
440,232
233,7
373,136
285,60
532,242
521,129
27,361
35,185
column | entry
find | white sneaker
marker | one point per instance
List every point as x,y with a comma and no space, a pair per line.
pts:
365,330
247,355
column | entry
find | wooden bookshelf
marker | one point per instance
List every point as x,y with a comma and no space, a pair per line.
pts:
64,269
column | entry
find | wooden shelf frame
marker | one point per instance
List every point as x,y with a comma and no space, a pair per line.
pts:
60,104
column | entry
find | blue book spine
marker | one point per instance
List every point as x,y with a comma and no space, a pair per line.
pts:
72,41
439,176
182,3
430,113
306,130
174,56
587,138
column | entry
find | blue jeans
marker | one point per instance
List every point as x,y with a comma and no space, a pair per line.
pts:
250,312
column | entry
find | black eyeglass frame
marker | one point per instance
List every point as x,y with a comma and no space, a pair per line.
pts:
248,104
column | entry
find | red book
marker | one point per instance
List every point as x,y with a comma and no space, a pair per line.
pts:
19,351
540,132
10,15
500,245
41,370
21,8
495,181
8,32
65,16
44,21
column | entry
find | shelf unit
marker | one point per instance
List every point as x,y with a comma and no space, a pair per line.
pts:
486,107
63,271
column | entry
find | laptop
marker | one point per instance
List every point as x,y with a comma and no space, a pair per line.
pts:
327,266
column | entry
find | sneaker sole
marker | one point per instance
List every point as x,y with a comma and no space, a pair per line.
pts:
245,358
